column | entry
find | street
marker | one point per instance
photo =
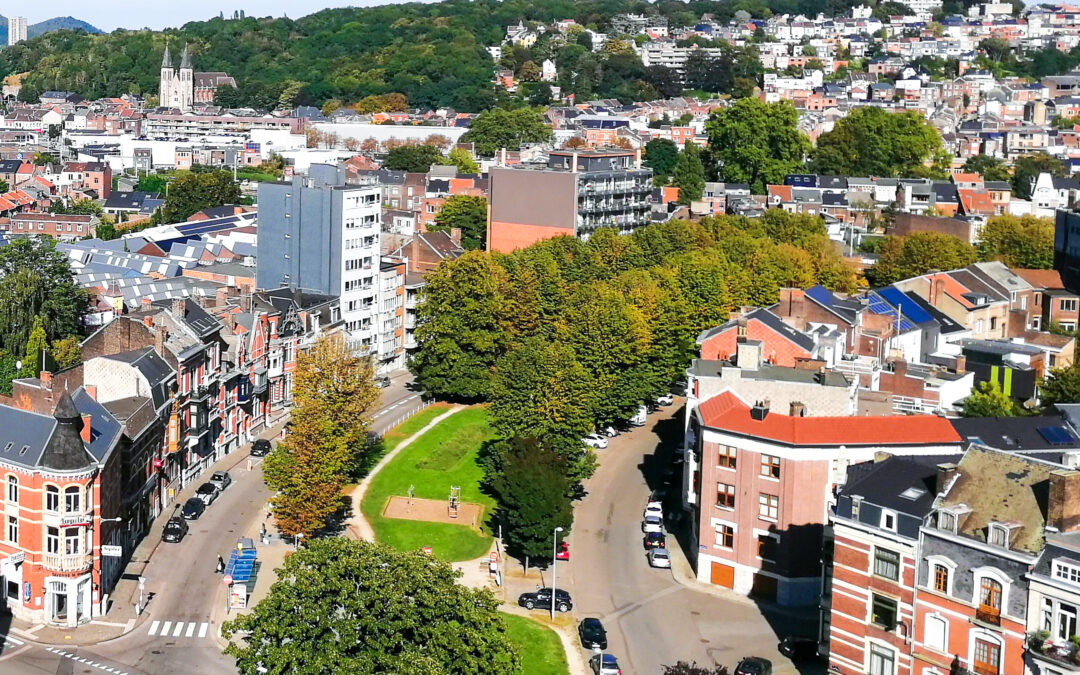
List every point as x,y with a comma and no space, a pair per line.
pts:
178,634
652,619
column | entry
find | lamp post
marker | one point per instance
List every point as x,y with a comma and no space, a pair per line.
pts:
554,564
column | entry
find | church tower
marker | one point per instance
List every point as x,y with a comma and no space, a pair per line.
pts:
165,87
186,82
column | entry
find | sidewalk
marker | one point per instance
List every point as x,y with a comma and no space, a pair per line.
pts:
120,618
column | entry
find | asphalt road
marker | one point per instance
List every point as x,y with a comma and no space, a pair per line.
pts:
182,582
651,619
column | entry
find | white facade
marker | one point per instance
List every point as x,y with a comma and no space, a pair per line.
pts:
16,30
361,213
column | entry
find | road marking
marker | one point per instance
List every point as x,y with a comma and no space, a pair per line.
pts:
165,628
154,627
179,629
202,630
190,630
100,666
14,641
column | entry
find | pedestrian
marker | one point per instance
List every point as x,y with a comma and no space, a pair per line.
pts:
262,534
220,564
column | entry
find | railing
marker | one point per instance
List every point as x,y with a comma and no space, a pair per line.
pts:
424,403
1064,652
60,562
988,615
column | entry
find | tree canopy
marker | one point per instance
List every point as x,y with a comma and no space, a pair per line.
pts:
661,155
988,400
352,606
871,141
1027,168
36,283
495,129
903,257
193,191
689,174
467,213
755,143
1061,386
1025,242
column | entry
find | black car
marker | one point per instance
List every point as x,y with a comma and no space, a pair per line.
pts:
261,448
541,598
174,530
799,648
592,634
754,665
193,508
654,540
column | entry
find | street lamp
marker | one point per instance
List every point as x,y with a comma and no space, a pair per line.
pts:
554,564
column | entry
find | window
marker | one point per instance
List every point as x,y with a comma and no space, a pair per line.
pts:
13,530
998,536
768,506
935,632
946,521
725,496
52,498
1068,305
883,612
725,536
882,660
940,578
52,540
71,541
978,325
886,563
766,547
990,595
72,499
987,657
770,466
1058,619
726,457
1067,572
993,323
888,520
13,490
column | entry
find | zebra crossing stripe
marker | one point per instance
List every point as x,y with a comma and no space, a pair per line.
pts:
154,627
179,629
202,630
165,628
190,629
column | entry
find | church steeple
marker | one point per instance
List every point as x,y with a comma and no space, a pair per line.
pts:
185,59
166,61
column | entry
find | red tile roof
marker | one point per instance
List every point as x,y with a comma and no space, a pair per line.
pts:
726,412
1041,279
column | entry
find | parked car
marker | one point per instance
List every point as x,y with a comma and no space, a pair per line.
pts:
654,540
652,524
261,448
640,418
655,497
382,382
221,479
193,508
541,598
653,509
610,432
754,665
207,492
174,530
564,552
595,441
605,664
658,557
666,400
592,634
799,648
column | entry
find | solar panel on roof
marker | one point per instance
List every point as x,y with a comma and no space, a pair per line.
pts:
1056,435
896,298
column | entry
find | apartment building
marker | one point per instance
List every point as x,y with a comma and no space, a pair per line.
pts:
573,194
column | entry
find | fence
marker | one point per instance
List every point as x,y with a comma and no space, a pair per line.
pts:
423,404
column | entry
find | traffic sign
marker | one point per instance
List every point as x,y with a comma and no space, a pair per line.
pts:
112,551
227,579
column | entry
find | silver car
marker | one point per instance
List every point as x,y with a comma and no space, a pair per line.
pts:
658,557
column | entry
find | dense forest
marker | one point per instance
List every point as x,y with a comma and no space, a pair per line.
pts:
432,53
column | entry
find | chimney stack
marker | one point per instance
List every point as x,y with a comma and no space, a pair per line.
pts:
85,431
160,334
1063,508
455,235
91,390
961,364
945,473
178,307
46,379
148,321
798,409
760,410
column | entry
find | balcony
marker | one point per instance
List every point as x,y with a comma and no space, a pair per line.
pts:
59,562
988,615
1061,652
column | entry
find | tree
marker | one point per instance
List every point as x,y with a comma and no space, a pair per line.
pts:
873,142
903,257
191,192
664,80
460,327
36,348
1025,242
1061,386
36,281
1027,168
533,491
327,442
684,668
464,161
467,213
661,155
755,143
492,130
228,96
67,352
987,166
413,158
353,606
990,401
153,183
689,175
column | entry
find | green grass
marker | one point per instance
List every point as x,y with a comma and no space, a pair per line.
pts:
394,436
541,651
444,456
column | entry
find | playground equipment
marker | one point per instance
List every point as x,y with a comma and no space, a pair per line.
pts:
455,500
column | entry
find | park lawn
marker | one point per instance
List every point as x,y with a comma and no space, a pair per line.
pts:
541,651
444,456
410,426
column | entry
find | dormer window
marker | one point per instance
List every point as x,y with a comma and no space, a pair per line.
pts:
1067,571
946,520
998,535
888,520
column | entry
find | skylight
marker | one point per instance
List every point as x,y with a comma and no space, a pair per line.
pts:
913,493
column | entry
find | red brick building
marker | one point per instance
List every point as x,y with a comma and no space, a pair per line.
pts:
781,344
55,225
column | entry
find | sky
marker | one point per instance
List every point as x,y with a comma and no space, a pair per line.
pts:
157,14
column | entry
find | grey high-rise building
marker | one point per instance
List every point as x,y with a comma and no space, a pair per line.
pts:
318,234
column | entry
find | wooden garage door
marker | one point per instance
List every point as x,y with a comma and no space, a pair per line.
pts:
722,575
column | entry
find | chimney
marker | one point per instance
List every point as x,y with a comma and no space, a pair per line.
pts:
46,379
760,410
637,158
85,431
1016,323
148,321
160,333
748,354
573,163
221,296
455,235
1063,508
178,307
937,287
961,364
798,409
91,390
899,367
945,473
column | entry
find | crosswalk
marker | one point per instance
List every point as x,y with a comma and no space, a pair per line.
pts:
179,629
104,667
11,641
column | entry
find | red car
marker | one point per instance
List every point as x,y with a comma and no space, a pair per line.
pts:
564,552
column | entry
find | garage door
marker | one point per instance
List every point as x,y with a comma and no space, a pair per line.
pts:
722,575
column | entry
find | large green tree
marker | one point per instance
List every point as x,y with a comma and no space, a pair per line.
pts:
1027,168
903,257
36,349
467,213
351,606
1061,386
987,166
871,141
190,192
988,400
755,143
1025,242
413,158
495,129
661,155
36,281
689,174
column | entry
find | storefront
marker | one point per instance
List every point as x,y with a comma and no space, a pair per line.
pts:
68,602
11,581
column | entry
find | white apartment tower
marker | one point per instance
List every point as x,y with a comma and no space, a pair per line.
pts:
16,30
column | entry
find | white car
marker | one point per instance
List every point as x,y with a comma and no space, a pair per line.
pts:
610,432
653,509
652,524
658,557
666,399
595,441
